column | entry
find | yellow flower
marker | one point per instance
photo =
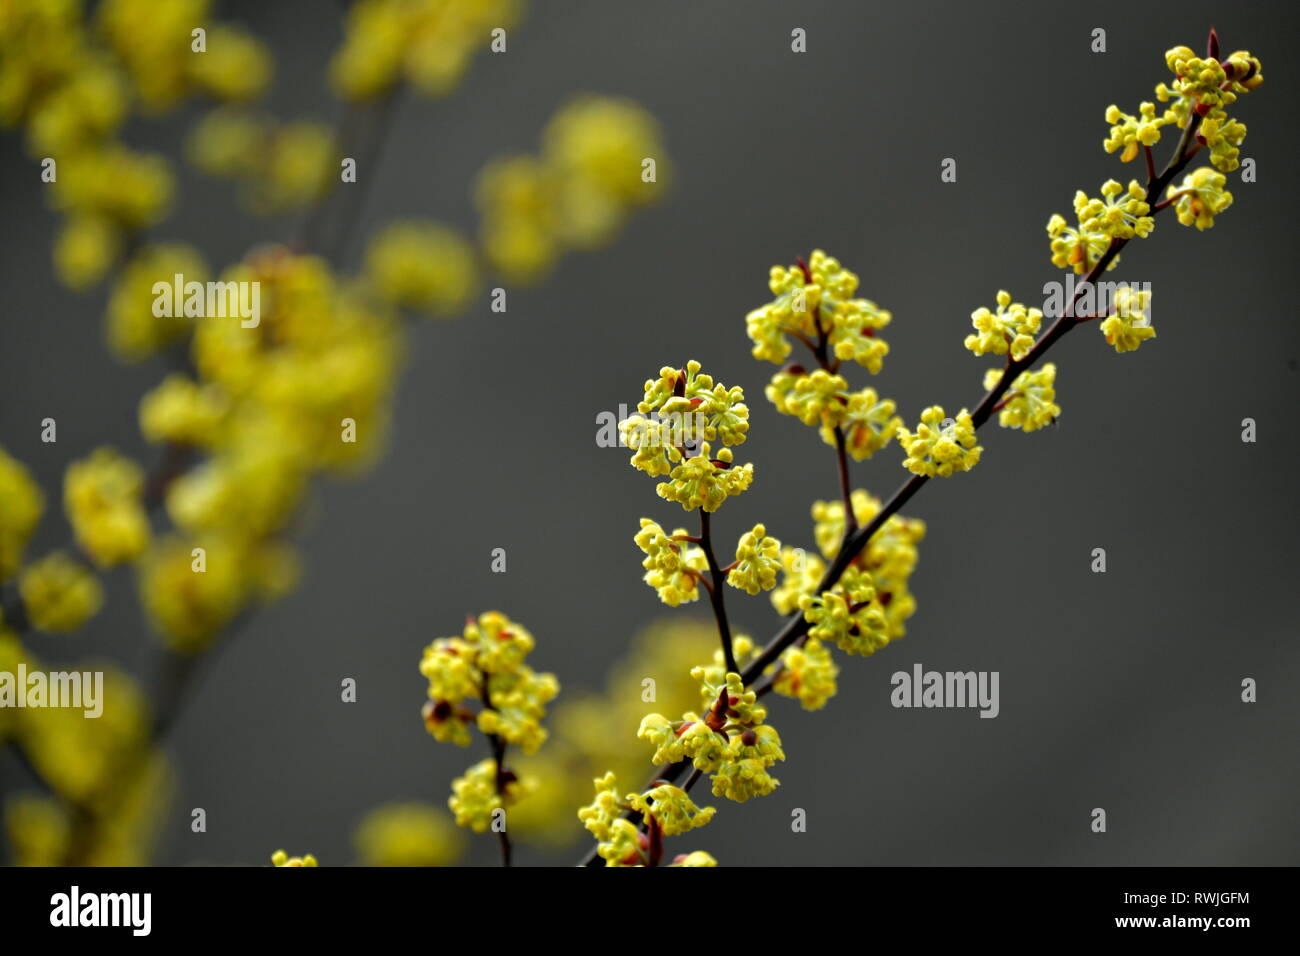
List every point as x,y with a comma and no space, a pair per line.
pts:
280,858
102,497
758,558
85,250
816,398
408,834
519,701
599,816
625,845
802,572
486,663
940,446
236,67
807,673
1201,197
134,330
673,565
850,614
697,858
59,593
577,194
1222,135
190,597
1128,325
152,39
1010,329
183,412
300,165
133,190
601,142
740,780
475,800
1030,402
1077,248
671,808
1130,132
427,42
39,830
521,224
869,424
705,482
21,504
229,142
1121,213
423,266
815,300
84,108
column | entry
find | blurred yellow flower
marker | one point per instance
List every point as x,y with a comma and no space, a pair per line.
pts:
408,834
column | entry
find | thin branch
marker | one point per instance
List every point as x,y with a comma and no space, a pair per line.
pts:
503,776
846,487
716,595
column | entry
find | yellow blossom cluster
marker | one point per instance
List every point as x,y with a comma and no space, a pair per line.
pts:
758,560
673,564
21,506
103,496
889,557
807,673
426,43
154,40
1128,133
850,614
1205,88
94,814
423,266
687,408
1200,197
72,84
482,793
815,302
278,165
1128,325
305,389
601,158
408,834
485,665
730,740
590,730
940,446
1030,403
1011,328
667,810
280,858
1120,213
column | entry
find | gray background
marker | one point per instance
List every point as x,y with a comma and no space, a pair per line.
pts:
1118,690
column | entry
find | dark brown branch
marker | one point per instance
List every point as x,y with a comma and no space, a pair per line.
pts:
716,596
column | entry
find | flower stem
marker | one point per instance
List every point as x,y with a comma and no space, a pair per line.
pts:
716,596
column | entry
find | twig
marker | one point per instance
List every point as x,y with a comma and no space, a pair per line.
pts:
716,596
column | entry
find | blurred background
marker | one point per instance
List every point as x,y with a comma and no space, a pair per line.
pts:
1118,690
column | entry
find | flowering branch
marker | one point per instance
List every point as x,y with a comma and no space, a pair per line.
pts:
854,595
